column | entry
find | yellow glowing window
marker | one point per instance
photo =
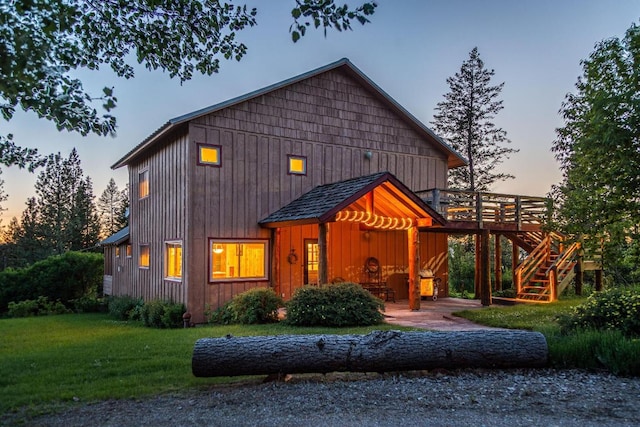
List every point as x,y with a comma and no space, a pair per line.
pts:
143,184
209,155
297,165
117,251
143,260
129,251
173,260
244,260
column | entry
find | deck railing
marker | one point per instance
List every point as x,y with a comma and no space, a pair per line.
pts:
483,207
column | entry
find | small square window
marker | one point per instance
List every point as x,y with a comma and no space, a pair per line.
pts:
143,260
143,184
297,165
209,155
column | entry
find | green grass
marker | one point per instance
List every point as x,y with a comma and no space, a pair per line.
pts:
87,357
585,349
534,317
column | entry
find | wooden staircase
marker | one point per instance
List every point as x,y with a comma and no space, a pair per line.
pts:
548,268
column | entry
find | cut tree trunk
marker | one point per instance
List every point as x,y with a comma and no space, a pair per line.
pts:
379,351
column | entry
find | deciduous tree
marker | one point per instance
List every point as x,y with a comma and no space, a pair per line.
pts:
43,43
465,120
599,150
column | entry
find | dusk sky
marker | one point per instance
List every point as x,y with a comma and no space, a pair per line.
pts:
409,50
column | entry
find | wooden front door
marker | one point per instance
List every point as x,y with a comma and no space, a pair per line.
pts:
311,255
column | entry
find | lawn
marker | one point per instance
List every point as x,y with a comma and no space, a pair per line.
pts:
535,317
86,357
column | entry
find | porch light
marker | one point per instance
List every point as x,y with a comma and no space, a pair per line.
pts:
375,221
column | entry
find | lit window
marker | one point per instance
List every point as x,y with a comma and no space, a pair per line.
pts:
129,251
143,260
143,184
297,165
209,155
173,260
238,260
117,251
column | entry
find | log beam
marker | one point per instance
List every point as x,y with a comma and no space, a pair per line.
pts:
414,268
379,351
323,268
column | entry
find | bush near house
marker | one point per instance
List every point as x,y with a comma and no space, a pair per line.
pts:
615,309
154,314
255,306
336,305
65,278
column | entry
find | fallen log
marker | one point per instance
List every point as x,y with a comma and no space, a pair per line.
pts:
379,351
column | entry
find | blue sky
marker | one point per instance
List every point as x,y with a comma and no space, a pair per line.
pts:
409,50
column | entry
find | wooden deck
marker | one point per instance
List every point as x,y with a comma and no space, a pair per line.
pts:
468,211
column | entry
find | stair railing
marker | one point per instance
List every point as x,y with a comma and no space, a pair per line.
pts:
532,263
562,267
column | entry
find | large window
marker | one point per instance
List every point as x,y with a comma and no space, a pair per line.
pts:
233,260
143,184
143,257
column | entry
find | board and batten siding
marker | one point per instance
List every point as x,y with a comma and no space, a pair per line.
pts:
329,119
158,218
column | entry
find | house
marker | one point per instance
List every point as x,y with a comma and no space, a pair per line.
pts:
301,182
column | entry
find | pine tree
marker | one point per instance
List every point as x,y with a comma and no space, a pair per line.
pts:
465,120
122,213
62,216
109,204
84,223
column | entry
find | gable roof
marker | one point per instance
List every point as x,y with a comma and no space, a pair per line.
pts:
454,159
117,238
322,203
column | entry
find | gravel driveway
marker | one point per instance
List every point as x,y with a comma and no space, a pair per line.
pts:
459,398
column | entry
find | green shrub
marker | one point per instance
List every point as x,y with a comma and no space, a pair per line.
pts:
255,306
90,304
24,308
40,307
124,307
337,305
65,277
162,314
613,309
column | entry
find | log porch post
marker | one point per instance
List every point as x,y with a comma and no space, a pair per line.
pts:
477,278
275,260
485,276
322,255
414,268
498,262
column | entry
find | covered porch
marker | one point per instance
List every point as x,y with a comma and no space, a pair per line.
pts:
332,232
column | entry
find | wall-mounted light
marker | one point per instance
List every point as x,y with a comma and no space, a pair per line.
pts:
368,155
